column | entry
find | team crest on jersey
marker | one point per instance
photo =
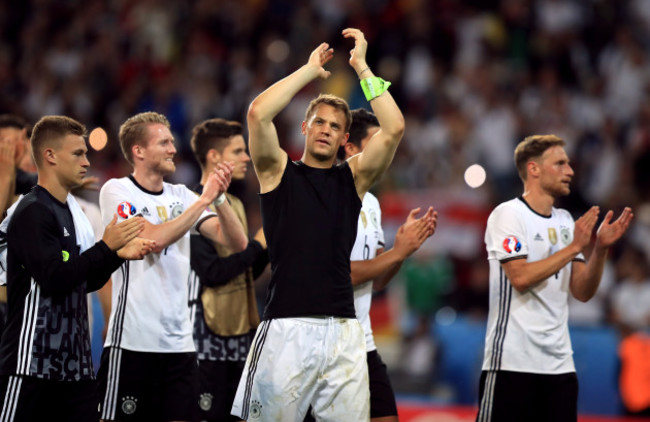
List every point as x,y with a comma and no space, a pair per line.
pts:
552,235
364,219
205,401
511,244
129,405
176,209
373,219
162,213
565,235
255,410
126,209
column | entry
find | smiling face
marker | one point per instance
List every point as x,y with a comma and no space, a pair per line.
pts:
555,173
71,160
158,152
324,132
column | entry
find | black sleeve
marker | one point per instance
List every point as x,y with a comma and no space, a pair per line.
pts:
33,234
99,275
214,270
260,263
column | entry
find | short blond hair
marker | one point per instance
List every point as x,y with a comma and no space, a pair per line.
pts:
533,147
134,129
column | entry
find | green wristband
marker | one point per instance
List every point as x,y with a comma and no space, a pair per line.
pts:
374,87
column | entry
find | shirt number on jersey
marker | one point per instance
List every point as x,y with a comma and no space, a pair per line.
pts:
366,248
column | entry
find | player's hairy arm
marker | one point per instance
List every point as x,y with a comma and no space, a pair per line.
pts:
368,166
165,234
585,278
524,275
410,236
268,158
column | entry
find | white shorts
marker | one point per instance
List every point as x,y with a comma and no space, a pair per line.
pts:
295,363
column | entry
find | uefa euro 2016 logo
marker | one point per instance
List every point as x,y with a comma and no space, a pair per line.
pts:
125,209
511,244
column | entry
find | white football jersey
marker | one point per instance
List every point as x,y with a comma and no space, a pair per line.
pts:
370,237
149,297
528,332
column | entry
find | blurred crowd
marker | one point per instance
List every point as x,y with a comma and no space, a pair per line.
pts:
472,77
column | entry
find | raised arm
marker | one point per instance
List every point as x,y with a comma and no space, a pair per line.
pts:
369,165
268,158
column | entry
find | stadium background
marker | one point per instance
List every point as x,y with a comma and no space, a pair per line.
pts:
472,77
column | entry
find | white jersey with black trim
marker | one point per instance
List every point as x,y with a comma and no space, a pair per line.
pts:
528,332
149,297
370,237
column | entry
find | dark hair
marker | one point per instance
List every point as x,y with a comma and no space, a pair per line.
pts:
14,121
533,147
334,101
212,134
133,130
49,130
362,120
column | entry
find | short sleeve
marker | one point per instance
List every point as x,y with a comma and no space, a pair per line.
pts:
115,198
505,235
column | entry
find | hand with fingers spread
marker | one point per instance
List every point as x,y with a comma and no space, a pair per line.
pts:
136,249
584,227
117,235
609,232
412,234
321,55
358,53
218,181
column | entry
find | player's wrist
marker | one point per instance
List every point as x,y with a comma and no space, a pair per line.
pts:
373,87
219,200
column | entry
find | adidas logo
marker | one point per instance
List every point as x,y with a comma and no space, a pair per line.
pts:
538,237
65,232
145,211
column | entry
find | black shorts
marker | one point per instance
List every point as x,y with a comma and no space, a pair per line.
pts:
218,381
506,396
382,396
148,386
33,399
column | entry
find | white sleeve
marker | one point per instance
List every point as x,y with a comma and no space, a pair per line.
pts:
115,198
505,235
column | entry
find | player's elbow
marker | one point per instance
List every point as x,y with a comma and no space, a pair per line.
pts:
241,245
581,295
396,129
520,284
256,112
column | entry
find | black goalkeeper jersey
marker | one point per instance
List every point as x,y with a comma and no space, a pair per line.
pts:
310,223
47,334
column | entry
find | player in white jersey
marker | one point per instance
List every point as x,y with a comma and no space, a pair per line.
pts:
371,268
535,253
149,369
